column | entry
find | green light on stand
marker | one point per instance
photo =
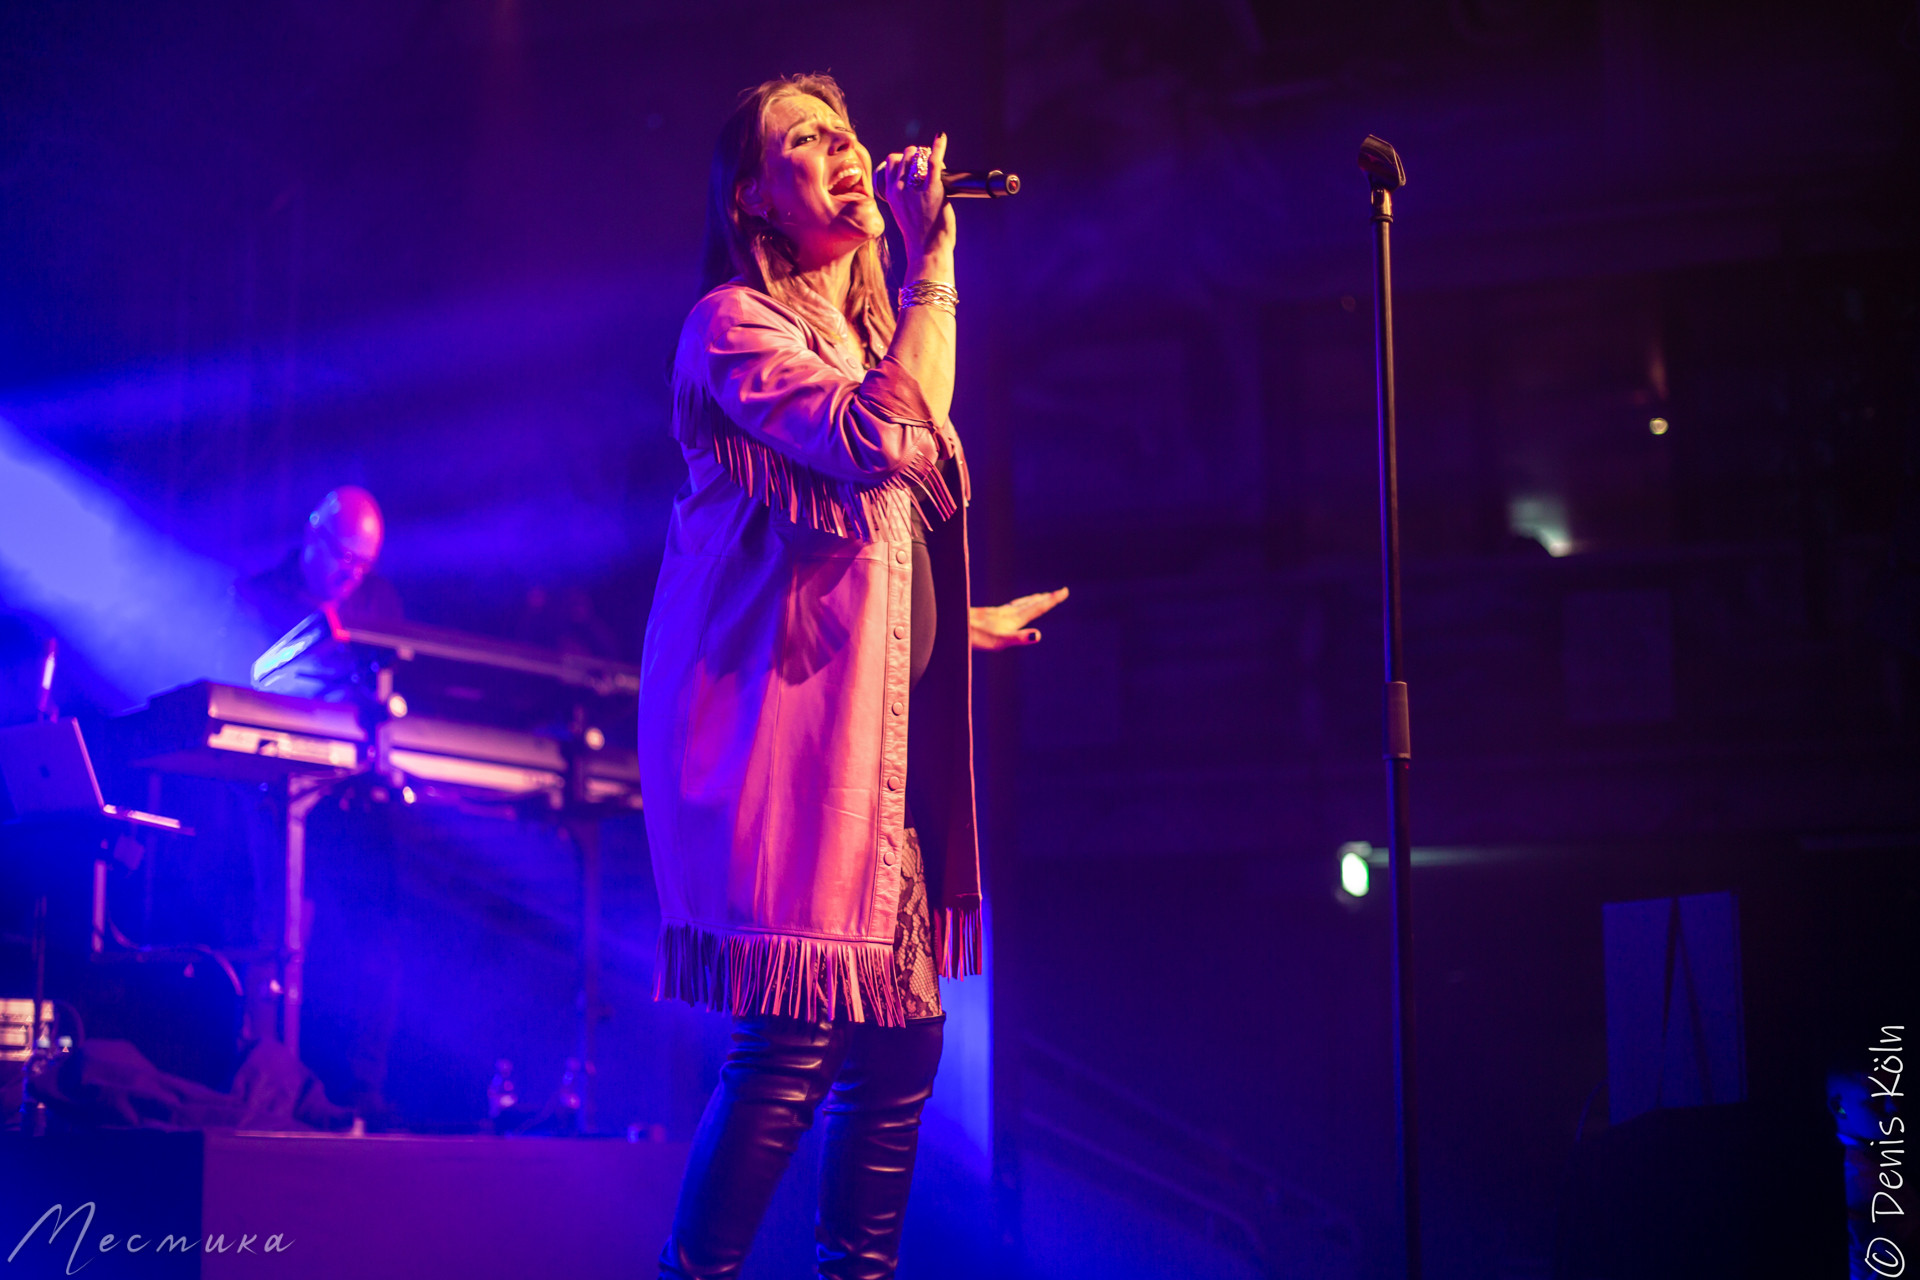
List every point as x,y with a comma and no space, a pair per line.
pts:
1354,875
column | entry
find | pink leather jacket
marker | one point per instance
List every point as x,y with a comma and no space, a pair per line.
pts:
774,713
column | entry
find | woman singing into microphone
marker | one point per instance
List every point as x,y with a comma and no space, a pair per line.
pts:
805,745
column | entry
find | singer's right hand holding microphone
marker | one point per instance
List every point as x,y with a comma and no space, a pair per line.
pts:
924,341
925,218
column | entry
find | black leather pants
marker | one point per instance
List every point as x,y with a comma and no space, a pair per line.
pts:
874,1081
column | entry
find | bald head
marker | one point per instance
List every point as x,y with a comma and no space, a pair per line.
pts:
344,535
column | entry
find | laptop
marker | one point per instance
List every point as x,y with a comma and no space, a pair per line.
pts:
50,775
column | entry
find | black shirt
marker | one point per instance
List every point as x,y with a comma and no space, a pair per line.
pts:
924,619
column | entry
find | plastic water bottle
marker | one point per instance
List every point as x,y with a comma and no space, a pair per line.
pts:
501,1096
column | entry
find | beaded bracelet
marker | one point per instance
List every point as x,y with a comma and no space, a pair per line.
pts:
930,293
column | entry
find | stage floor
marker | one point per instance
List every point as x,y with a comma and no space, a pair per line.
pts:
292,1206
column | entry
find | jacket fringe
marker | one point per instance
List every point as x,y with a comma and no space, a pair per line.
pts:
777,975
956,941
844,508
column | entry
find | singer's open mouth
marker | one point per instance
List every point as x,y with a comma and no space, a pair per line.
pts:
850,181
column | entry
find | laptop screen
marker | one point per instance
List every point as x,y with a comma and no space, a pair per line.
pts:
47,770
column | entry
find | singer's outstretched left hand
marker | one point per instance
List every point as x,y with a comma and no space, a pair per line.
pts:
1004,626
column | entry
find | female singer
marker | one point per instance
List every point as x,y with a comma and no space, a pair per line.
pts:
805,747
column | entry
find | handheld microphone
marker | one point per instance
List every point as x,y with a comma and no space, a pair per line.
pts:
965,184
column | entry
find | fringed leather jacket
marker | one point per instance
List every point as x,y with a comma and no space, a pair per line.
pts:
775,725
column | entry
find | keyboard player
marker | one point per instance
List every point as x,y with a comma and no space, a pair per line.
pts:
353,957
332,568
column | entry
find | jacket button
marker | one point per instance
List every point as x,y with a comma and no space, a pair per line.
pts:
899,708
900,555
887,856
893,782
899,633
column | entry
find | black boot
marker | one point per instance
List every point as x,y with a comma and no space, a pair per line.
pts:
873,1129
774,1077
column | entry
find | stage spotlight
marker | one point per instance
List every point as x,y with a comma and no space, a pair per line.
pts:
1543,517
1353,868
1658,426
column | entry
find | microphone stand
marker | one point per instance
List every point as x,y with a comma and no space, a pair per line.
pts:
1385,175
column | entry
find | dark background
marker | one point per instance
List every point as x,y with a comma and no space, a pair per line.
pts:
442,248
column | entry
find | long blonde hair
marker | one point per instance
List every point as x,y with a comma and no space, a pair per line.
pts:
746,245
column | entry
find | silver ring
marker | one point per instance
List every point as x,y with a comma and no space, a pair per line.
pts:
919,168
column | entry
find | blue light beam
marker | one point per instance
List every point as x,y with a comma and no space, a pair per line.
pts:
146,612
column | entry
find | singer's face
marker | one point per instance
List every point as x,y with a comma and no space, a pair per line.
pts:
816,180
